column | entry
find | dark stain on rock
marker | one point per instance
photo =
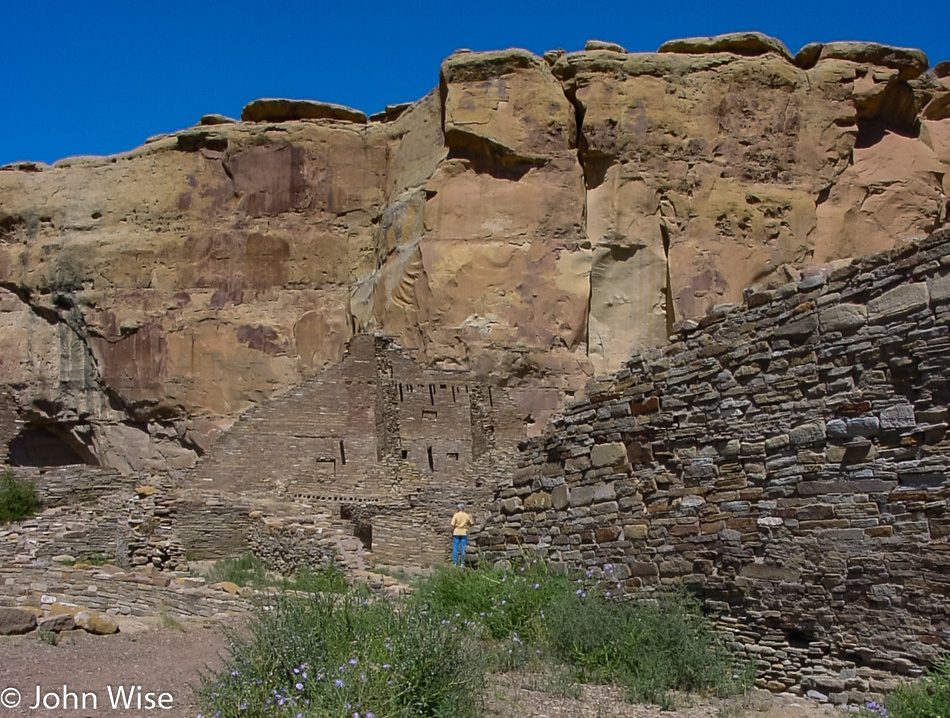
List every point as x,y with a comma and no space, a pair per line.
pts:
270,180
261,338
235,262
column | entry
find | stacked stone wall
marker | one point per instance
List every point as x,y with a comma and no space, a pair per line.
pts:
787,459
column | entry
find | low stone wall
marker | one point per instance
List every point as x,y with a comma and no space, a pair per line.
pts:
114,592
787,459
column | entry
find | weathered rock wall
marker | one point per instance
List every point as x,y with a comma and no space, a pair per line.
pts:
787,458
532,219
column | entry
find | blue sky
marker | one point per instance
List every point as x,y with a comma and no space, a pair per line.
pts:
97,77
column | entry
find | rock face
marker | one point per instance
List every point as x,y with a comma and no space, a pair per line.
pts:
532,219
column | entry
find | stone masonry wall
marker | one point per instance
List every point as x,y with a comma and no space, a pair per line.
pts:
787,459
379,430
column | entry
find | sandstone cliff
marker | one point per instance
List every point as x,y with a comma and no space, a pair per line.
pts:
532,219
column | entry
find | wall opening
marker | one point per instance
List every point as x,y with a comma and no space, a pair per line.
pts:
342,454
431,464
364,532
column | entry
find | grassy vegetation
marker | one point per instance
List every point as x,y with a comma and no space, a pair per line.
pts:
320,654
249,570
18,499
928,697
326,655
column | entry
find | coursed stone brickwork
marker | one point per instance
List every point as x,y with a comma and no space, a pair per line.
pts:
787,459
378,431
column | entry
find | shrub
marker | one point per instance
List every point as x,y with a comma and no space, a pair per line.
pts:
18,498
928,697
496,603
649,647
246,570
326,655
249,570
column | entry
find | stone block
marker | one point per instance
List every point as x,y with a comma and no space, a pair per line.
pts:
865,426
807,433
524,475
538,501
581,495
608,507
636,532
96,623
56,623
607,534
769,572
14,621
940,289
608,454
511,506
901,300
559,497
604,492
643,568
898,417
843,317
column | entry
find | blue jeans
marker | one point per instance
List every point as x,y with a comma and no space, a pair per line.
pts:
458,550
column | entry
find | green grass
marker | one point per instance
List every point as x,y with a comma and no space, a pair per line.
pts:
928,697
18,499
249,570
319,653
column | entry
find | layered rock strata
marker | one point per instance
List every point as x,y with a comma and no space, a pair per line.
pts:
787,458
532,219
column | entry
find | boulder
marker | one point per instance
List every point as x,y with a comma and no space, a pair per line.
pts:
96,623
909,62
600,45
14,621
738,43
56,623
216,119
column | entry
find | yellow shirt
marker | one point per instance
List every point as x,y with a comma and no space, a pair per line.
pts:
460,522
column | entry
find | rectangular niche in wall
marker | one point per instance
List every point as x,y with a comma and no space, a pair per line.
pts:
325,465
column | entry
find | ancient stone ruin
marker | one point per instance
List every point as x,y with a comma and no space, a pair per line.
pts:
718,269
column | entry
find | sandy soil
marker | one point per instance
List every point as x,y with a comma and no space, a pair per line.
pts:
142,654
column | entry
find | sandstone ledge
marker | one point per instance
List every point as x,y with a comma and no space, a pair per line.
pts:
270,109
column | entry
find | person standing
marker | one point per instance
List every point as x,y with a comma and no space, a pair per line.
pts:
461,522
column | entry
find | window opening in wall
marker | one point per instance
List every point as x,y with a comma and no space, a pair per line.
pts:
429,452
442,386
405,453
342,454
429,414
453,394
432,394
490,402
400,392
454,455
326,464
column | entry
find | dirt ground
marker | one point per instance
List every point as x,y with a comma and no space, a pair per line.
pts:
142,654
168,660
